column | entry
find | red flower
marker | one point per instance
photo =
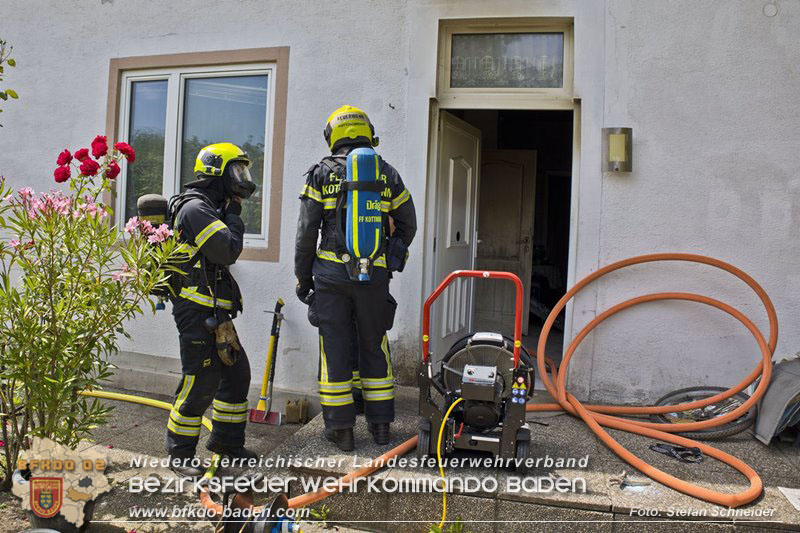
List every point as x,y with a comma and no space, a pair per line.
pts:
61,174
99,146
113,170
82,154
89,167
127,151
64,158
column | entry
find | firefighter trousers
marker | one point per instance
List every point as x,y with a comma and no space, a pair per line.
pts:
340,305
205,382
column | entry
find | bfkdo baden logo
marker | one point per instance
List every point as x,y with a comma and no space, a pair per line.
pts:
46,495
55,482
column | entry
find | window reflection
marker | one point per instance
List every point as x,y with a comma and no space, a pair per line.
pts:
227,109
510,60
146,136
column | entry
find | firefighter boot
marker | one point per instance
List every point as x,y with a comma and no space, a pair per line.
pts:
380,432
342,438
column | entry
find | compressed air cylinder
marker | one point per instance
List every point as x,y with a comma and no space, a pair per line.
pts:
364,225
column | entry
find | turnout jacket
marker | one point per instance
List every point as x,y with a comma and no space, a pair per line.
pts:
218,237
317,218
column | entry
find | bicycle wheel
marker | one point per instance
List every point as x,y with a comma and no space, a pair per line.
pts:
708,412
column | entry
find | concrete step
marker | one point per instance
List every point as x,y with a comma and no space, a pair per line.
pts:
601,506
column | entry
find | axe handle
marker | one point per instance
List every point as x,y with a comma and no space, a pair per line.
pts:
272,355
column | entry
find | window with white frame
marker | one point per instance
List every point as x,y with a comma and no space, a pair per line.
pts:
168,115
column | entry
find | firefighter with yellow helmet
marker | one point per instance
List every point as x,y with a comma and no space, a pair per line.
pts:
215,367
354,312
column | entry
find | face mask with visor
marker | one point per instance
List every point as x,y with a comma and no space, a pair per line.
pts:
239,180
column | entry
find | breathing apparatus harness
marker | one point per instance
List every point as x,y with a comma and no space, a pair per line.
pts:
359,265
190,276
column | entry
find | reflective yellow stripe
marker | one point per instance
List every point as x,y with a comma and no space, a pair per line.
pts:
377,242
385,348
334,387
227,417
184,420
208,231
229,407
323,373
333,401
377,383
172,425
181,430
354,209
310,192
329,203
330,256
371,395
401,199
191,294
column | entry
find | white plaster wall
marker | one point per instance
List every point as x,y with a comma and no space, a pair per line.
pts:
340,52
712,92
710,87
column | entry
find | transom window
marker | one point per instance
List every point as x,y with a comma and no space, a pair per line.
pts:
509,60
168,115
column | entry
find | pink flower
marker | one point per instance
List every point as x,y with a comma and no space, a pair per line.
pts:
82,154
13,243
25,192
99,146
89,167
64,158
132,225
160,234
125,267
116,276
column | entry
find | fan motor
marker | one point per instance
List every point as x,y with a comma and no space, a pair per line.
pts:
482,390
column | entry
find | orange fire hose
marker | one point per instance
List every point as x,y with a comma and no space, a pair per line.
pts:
597,416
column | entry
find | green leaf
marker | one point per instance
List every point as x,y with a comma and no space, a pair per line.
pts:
12,93
11,63
3,95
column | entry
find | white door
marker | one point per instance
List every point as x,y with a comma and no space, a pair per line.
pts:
505,235
458,165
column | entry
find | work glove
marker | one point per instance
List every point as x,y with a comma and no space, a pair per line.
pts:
303,288
396,254
234,207
228,346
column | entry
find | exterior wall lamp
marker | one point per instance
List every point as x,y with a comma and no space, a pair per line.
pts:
617,152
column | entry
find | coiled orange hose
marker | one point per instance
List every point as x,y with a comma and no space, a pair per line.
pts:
597,416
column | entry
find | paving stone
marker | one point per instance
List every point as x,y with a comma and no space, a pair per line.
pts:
416,512
513,517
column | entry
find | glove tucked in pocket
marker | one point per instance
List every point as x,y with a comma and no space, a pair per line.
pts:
396,254
228,346
313,317
391,309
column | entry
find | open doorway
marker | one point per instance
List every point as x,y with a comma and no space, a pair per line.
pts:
523,217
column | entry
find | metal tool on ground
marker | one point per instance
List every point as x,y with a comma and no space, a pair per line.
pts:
681,453
263,413
623,481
